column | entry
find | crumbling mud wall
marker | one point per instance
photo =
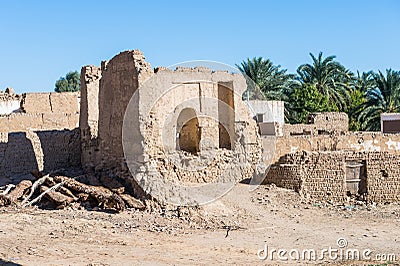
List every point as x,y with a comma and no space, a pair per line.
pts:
328,132
9,102
324,161
89,116
105,93
327,123
229,144
43,111
121,77
332,176
383,177
40,135
348,141
190,118
210,97
285,175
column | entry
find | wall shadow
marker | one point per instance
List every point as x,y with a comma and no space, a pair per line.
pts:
56,149
61,149
17,156
8,263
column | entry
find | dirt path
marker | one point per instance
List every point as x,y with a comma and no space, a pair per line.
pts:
274,217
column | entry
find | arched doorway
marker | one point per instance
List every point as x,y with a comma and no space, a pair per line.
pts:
188,131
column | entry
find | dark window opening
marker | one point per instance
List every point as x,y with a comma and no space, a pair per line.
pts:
260,118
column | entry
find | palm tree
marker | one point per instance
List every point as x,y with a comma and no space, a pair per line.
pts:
382,98
364,81
273,82
329,77
360,85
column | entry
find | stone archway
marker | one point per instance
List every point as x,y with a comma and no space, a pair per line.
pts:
188,131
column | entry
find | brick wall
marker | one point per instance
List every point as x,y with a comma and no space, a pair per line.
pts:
42,135
321,176
328,123
324,177
349,141
383,177
22,152
285,175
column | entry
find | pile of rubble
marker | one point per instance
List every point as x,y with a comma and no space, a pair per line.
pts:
59,191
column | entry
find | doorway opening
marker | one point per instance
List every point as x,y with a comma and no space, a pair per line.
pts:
188,131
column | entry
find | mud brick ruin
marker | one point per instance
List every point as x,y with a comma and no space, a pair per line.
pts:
323,161
202,107
38,131
173,122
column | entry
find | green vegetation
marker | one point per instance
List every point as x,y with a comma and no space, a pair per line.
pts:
273,81
329,77
325,85
71,82
382,97
307,99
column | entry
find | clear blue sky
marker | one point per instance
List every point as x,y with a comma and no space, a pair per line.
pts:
40,41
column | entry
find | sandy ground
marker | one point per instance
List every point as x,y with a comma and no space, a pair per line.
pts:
268,216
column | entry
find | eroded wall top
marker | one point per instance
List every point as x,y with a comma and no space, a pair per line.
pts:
39,111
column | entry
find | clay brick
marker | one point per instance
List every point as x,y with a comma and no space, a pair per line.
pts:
36,103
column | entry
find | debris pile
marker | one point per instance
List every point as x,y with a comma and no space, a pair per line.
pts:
59,191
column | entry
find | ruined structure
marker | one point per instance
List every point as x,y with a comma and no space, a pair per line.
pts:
38,131
9,102
325,162
333,176
169,133
176,123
